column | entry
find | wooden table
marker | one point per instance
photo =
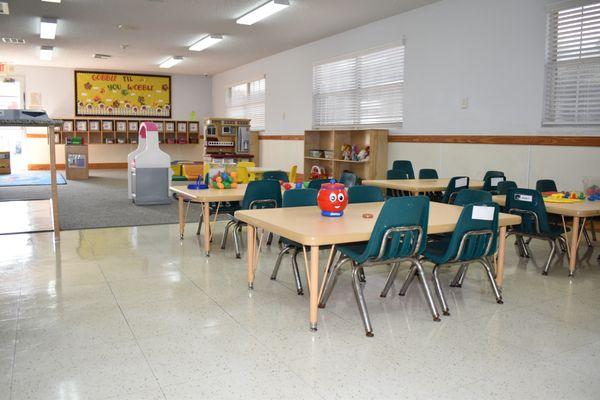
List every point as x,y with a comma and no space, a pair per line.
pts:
205,196
305,225
417,186
577,211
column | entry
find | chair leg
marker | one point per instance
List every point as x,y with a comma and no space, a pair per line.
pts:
552,251
360,299
490,275
226,233
200,222
390,279
331,279
518,242
438,289
236,240
562,244
361,275
412,272
278,262
296,273
593,229
586,235
460,276
423,280
270,239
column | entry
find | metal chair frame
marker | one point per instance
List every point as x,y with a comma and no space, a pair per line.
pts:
404,231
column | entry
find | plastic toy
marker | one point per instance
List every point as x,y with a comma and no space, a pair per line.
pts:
346,152
286,185
224,180
130,164
332,199
317,172
363,155
199,185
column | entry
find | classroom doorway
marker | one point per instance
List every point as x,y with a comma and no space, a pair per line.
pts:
12,92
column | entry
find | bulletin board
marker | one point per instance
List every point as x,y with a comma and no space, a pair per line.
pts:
99,93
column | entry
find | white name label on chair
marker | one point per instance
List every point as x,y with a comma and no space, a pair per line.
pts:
462,182
483,213
496,181
524,197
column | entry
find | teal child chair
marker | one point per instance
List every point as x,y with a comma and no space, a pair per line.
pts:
472,196
546,185
405,166
349,179
364,194
493,174
428,173
490,183
294,198
395,174
455,185
505,186
473,240
279,176
316,183
259,194
399,234
529,205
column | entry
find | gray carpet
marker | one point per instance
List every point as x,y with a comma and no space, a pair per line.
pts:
100,202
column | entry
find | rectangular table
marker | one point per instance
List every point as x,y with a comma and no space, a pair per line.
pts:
308,227
205,197
577,211
417,186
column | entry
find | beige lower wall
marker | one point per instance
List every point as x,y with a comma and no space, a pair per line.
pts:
522,163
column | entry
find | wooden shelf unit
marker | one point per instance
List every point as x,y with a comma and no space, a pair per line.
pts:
333,140
98,135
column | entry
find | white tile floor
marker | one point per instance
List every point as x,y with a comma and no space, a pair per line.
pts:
132,313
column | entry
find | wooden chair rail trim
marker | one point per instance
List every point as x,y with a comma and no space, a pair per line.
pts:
46,167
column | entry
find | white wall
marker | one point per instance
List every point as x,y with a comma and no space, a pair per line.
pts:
487,50
189,93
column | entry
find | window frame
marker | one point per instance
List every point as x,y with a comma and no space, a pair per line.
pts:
247,102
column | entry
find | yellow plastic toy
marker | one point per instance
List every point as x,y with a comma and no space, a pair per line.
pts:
242,175
293,174
248,164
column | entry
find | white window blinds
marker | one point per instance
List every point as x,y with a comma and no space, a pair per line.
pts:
362,90
247,100
572,92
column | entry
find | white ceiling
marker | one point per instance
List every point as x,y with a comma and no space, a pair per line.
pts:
157,29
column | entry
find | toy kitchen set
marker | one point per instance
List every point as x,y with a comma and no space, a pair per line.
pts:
229,140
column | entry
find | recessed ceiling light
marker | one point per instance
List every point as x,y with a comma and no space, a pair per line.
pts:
263,12
206,42
48,28
171,61
11,40
46,53
101,56
52,1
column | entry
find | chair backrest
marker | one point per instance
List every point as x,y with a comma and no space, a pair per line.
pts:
276,175
348,179
529,205
455,185
262,194
300,198
242,174
192,171
364,194
396,174
316,183
406,166
490,183
248,164
472,196
492,174
428,173
475,234
546,185
400,230
505,186
293,173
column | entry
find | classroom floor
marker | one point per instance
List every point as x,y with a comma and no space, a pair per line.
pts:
132,313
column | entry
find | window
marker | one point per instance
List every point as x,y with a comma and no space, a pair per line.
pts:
247,100
362,90
572,92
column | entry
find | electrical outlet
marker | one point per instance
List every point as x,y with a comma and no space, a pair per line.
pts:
464,103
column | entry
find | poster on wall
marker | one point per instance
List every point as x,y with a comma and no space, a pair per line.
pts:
122,94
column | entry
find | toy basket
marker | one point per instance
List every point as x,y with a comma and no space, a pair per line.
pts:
222,175
591,185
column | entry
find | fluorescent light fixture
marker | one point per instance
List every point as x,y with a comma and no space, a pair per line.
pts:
46,53
52,1
263,12
206,42
48,28
171,61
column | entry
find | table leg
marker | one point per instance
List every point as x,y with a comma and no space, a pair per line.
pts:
574,245
181,217
251,232
314,286
206,211
500,261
